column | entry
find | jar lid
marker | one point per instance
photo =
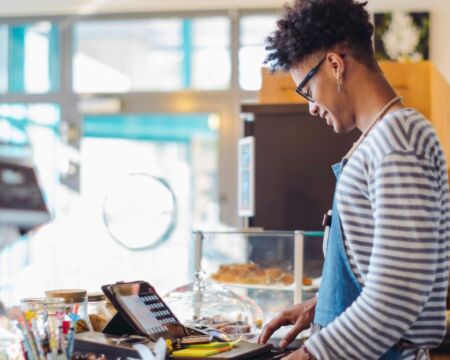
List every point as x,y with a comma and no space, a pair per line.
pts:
69,295
96,296
42,301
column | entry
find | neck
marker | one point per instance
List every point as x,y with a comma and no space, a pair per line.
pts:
371,96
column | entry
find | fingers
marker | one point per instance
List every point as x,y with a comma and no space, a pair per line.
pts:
271,327
292,334
267,332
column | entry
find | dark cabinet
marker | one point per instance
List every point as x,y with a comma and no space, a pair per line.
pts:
294,151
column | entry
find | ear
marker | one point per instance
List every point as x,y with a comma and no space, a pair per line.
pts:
337,64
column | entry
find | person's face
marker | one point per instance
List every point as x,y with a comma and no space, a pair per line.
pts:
320,89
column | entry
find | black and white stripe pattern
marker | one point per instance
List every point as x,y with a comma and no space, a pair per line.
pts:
393,200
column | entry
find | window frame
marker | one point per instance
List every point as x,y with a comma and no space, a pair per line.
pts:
226,103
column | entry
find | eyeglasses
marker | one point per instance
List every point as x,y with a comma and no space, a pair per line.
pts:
312,72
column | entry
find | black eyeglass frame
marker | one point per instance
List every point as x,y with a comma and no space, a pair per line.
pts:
312,72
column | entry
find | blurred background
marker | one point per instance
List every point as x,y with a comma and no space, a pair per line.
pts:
93,90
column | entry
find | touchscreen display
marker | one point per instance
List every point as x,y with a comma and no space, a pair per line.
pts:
149,311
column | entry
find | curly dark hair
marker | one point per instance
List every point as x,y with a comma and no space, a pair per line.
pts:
310,26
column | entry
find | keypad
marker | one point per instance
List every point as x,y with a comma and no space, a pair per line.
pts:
159,310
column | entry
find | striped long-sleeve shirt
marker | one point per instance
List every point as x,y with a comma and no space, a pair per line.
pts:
393,200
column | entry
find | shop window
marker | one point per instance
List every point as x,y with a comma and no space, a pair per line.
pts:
151,55
46,115
13,259
211,66
3,59
32,131
40,68
182,150
253,32
29,58
127,55
29,132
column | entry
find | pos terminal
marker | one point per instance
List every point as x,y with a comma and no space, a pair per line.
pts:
143,317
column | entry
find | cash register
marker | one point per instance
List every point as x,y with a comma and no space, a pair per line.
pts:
22,203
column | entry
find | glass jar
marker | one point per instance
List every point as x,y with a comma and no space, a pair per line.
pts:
75,307
45,320
99,312
50,306
111,308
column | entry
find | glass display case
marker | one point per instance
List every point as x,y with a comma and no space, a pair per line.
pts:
274,268
204,303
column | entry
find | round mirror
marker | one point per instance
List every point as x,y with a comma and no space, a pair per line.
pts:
140,211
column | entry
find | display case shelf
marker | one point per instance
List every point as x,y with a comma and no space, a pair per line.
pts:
270,287
272,256
259,287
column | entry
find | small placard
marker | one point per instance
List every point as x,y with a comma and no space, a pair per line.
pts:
246,176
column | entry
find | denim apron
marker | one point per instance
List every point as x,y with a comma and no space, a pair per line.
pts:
339,287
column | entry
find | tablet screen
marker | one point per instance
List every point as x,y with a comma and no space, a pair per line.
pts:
147,309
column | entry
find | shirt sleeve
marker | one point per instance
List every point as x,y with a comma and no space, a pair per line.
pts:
402,268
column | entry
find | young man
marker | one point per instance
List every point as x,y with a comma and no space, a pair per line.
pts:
385,277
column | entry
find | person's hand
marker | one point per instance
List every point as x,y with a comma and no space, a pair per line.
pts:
300,316
300,354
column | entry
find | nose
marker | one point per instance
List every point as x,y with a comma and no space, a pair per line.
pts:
313,109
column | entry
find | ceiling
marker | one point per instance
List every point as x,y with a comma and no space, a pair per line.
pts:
79,7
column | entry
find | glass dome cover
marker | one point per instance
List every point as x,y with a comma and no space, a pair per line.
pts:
204,302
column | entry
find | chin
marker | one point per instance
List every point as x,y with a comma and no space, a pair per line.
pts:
340,131
340,128
337,128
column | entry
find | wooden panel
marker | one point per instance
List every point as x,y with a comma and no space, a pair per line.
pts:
278,88
440,109
410,80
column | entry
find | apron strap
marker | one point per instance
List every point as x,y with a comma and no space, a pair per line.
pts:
327,219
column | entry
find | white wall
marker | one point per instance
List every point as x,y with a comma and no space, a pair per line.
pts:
439,23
